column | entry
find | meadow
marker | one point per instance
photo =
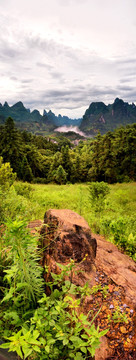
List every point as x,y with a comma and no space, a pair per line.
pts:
116,220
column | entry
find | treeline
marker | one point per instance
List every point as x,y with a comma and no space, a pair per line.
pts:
109,158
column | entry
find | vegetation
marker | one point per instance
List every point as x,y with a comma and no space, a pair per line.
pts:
35,325
109,158
55,330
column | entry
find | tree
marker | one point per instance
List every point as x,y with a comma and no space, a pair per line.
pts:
66,162
11,147
35,160
26,171
60,175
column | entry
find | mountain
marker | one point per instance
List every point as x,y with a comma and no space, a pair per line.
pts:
98,117
34,121
103,118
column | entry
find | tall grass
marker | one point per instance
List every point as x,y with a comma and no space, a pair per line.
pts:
117,220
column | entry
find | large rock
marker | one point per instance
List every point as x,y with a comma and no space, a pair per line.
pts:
119,267
66,235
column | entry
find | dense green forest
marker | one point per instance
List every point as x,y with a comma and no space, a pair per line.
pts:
109,157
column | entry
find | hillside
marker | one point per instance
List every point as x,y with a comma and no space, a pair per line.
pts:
103,118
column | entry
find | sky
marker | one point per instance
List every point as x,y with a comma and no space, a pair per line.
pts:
64,54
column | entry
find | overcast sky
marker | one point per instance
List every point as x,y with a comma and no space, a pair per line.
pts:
64,54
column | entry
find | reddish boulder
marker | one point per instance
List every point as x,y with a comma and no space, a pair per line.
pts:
66,235
119,267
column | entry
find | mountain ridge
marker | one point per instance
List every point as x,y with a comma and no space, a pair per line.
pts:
98,117
103,118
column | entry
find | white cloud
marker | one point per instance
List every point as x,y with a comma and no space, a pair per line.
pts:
64,54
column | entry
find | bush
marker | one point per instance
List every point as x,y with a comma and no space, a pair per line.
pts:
23,189
7,177
98,192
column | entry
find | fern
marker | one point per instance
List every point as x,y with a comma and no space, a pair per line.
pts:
24,275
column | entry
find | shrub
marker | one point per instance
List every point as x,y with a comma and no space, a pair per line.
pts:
23,189
7,177
97,195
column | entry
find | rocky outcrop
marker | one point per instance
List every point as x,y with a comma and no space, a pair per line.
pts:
66,235
119,267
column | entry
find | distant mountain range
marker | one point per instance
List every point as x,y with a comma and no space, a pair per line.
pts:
98,117
34,121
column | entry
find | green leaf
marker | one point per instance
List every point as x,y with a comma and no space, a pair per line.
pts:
26,350
84,336
52,323
36,348
65,342
19,352
104,332
47,348
83,349
5,346
36,334
9,295
78,356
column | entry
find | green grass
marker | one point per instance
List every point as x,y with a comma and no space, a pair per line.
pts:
120,201
116,222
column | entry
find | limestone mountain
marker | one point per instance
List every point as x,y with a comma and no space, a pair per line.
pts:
103,118
34,121
98,117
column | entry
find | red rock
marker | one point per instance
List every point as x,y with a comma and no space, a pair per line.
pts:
103,352
66,235
119,267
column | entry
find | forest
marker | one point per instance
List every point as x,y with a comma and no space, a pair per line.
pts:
38,159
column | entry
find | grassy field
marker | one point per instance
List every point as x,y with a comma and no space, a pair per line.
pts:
120,201
117,220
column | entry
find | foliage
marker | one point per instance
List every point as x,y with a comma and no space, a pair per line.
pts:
57,330
7,177
24,274
23,189
21,276
109,158
60,175
118,316
98,192
21,286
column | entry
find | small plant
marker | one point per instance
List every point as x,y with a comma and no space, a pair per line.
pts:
103,289
119,317
21,275
57,330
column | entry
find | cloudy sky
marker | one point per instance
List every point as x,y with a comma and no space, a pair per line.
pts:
64,54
